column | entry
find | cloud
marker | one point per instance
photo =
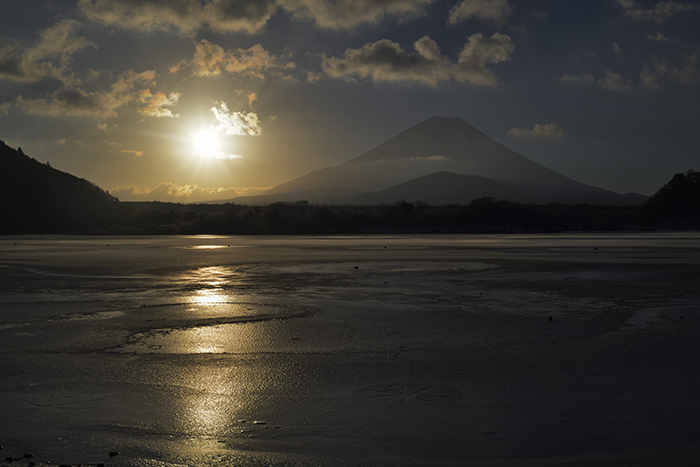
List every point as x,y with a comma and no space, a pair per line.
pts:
211,60
248,16
681,69
235,123
208,59
658,37
48,59
252,97
617,49
74,101
494,11
185,16
173,192
349,14
239,15
222,156
585,79
62,141
132,152
612,81
686,71
5,107
252,190
549,131
385,60
182,16
660,13
156,103
479,52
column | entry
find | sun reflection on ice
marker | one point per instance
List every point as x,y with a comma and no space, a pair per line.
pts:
210,410
206,340
212,282
213,296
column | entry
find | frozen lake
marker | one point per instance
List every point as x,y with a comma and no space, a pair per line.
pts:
345,350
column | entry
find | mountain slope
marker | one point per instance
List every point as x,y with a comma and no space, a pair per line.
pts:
35,197
440,188
445,144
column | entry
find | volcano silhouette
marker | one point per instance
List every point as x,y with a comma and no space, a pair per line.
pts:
439,145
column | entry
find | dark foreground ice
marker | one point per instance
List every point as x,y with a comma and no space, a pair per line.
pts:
324,351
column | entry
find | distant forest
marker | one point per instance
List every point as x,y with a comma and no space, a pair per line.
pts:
38,199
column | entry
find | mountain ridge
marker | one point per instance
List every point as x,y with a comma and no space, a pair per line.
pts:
455,189
36,197
446,144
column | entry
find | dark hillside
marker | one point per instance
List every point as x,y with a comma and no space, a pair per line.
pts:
36,198
677,204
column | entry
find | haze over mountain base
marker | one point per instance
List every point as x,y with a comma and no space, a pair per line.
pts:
353,351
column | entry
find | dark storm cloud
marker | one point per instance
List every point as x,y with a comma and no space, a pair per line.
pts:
48,58
385,60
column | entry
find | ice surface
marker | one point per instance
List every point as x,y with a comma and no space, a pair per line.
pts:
349,350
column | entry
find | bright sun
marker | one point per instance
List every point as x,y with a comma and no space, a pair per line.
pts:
206,143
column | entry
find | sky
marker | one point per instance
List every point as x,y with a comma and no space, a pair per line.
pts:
194,100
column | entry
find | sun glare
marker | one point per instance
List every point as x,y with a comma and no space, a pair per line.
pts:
206,143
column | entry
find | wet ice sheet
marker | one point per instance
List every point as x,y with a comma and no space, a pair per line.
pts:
383,266
170,351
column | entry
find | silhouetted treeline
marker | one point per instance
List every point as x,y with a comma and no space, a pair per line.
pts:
36,198
677,204
481,215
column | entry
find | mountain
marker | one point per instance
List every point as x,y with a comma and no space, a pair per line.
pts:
444,144
440,188
36,198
